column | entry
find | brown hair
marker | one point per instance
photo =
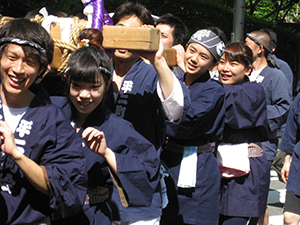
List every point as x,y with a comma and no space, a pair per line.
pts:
94,36
239,52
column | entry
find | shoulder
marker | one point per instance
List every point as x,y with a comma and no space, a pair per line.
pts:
143,73
216,84
283,64
274,74
250,89
142,66
49,112
115,124
296,102
60,101
273,71
252,86
116,128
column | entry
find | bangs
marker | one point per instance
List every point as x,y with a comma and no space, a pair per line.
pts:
233,55
87,75
240,53
84,70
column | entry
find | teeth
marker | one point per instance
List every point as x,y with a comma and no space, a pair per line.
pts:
16,80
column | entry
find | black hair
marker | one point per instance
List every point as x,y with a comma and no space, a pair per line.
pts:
24,29
180,29
85,64
32,13
218,32
132,9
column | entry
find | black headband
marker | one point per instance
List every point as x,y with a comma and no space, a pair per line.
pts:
258,42
270,57
102,69
22,42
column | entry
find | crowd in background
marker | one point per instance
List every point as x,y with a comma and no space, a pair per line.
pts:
128,139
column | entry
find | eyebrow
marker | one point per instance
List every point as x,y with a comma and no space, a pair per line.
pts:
11,52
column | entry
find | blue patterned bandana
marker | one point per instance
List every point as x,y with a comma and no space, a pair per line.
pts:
210,41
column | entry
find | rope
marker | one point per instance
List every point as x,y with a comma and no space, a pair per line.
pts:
67,49
38,19
5,19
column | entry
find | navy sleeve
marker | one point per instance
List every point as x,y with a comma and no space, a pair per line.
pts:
280,102
137,162
206,110
290,136
65,165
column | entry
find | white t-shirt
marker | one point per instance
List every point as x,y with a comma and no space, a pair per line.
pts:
13,115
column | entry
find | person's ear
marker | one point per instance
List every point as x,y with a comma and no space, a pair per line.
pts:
248,70
108,85
260,49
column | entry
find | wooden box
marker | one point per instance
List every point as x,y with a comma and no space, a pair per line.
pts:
132,38
57,53
170,56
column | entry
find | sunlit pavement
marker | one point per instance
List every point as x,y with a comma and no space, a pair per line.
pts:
276,200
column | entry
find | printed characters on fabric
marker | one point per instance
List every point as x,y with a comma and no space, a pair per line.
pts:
259,79
121,107
123,99
8,167
47,139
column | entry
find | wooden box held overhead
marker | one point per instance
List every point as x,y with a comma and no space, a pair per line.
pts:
132,38
170,56
57,52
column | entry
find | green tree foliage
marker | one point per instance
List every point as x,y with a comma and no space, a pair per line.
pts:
272,10
19,8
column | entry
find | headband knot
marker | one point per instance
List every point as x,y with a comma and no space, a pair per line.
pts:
211,41
270,57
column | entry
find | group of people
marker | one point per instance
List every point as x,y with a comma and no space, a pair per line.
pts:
134,141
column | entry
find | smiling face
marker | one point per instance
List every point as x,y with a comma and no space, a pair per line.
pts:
87,96
17,72
197,60
232,72
235,63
